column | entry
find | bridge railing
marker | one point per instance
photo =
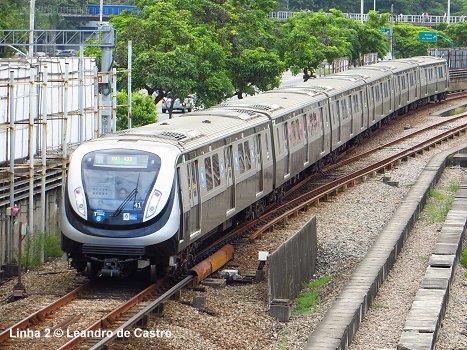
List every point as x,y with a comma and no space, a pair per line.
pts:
401,18
279,15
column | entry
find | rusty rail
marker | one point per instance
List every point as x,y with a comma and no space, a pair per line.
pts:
268,220
40,315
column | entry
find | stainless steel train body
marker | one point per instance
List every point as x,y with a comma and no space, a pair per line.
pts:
151,195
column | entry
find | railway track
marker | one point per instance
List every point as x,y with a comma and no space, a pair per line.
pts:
59,325
319,187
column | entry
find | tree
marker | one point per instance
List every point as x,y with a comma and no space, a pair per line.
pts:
175,56
143,110
308,39
457,33
256,69
406,42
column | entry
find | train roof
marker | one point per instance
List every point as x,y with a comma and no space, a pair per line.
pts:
280,101
197,129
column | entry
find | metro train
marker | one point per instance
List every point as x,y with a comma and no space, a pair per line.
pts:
147,198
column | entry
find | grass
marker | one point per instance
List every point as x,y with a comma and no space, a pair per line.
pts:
307,301
463,260
439,203
282,339
376,305
423,258
31,254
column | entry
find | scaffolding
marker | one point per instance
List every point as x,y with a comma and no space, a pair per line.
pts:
47,107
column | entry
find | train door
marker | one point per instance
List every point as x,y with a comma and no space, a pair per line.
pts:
350,108
287,133
323,120
258,159
373,104
229,176
306,137
363,106
339,121
194,224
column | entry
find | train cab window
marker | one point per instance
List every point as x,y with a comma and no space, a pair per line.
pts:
208,170
216,170
118,182
247,155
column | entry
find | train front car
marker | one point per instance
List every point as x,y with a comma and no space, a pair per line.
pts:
121,209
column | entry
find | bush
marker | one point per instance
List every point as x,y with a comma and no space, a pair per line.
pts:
143,110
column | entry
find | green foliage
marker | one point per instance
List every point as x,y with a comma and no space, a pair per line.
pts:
256,69
457,33
31,252
143,110
463,258
308,299
439,203
406,42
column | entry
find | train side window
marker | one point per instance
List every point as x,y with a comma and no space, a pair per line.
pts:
247,155
241,158
216,170
344,109
267,144
308,124
279,141
208,169
300,128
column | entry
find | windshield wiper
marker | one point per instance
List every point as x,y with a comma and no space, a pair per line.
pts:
127,199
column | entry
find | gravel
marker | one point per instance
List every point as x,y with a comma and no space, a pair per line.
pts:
236,316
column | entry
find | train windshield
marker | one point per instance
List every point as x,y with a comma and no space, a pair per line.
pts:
117,184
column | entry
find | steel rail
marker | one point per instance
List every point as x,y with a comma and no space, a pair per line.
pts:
391,143
40,315
141,314
304,201
112,316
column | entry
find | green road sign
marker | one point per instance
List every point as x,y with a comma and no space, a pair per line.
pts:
427,37
384,30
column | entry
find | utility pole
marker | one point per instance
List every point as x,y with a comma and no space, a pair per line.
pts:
361,10
108,43
32,6
448,20
391,30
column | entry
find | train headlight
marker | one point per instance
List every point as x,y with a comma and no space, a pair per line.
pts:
80,203
152,204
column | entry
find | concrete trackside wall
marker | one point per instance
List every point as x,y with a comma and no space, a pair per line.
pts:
293,263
